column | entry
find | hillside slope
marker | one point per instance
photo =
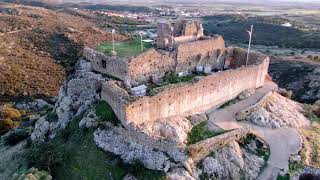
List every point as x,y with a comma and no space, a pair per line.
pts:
38,47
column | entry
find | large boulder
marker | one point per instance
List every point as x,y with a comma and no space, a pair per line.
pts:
35,105
112,140
41,129
174,128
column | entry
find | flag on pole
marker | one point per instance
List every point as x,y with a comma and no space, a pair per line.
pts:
113,31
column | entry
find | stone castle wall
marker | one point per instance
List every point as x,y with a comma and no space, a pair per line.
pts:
116,98
114,66
190,54
190,98
182,31
201,149
151,65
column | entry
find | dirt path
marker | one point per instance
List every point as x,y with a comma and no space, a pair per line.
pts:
12,32
283,142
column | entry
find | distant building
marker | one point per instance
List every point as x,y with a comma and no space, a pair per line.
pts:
287,24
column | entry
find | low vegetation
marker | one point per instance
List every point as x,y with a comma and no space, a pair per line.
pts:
36,60
310,152
74,155
229,103
124,48
312,112
283,177
105,113
173,78
170,78
294,166
9,118
261,151
201,131
233,29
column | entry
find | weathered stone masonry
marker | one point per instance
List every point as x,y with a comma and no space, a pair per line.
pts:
228,74
189,98
153,64
111,65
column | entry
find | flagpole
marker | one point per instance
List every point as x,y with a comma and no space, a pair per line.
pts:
141,41
250,38
113,40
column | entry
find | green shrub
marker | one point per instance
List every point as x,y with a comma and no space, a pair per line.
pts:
295,166
200,132
228,103
34,174
7,124
7,112
264,153
284,177
261,150
45,156
247,140
73,155
173,78
105,112
15,136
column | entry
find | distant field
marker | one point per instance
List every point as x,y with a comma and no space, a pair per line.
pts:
124,48
267,31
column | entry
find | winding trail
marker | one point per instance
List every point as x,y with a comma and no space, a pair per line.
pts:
16,31
283,142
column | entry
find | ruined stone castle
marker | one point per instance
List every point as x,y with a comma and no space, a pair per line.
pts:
138,94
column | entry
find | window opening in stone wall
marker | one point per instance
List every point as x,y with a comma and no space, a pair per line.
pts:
104,64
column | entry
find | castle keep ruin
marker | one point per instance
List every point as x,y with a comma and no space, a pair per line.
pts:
219,74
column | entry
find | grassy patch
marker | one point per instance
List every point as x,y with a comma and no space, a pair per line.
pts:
311,112
228,103
262,151
173,78
200,132
105,113
124,48
74,155
295,166
312,136
284,177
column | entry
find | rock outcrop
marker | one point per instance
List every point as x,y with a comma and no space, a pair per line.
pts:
36,105
179,174
41,130
114,141
173,128
274,111
77,94
74,98
232,162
